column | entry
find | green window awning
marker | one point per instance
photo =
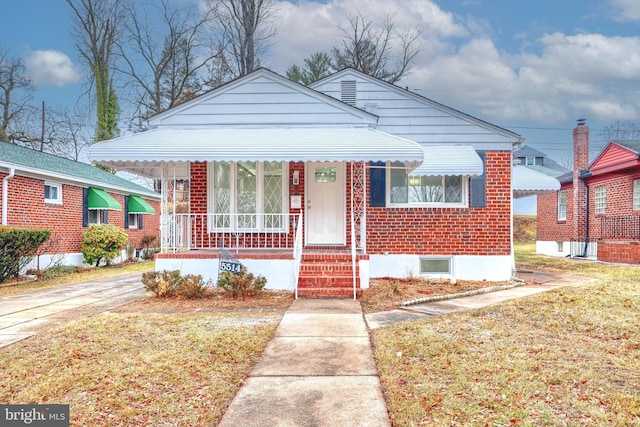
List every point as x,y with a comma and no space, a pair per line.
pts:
100,199
137,205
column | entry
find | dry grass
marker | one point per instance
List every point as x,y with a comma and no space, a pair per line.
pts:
568,357
387,293
154,362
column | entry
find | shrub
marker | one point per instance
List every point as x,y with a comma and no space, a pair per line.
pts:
241,285
17,249
171,283
149,251
192,286
102,241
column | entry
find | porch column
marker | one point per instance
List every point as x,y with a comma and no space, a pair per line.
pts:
359,203
166,242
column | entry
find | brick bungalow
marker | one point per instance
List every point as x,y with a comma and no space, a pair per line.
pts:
41,190
320,188
596,212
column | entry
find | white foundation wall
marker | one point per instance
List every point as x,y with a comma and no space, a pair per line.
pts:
279,273
464,267
44,262
552,248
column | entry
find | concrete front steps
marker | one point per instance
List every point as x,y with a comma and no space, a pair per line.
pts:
327,275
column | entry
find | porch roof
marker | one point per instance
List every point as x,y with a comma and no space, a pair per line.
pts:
144,153
527,182
450,160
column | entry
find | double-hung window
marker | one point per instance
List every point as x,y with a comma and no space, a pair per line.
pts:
248,196
636,195
562,205
425,190
52,193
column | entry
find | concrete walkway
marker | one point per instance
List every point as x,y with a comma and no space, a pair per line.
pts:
23,315
318,370
538,281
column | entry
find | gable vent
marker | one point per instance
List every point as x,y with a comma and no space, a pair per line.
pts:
348,92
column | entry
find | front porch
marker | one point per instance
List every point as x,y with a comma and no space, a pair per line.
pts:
328,272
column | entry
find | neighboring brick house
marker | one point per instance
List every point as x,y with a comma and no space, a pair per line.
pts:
596,212
384,182
41,190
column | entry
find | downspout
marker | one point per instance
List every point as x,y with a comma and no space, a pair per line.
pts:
584,174
5,194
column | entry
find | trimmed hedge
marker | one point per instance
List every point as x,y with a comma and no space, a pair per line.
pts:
18,246
102,241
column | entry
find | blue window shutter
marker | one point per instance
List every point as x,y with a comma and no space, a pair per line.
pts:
478,187
126,212
140,216
377,184
85,207
105,216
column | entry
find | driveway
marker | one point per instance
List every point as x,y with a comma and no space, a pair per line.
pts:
23,315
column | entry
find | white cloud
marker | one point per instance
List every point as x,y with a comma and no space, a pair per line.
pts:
556,78
51,67
626,10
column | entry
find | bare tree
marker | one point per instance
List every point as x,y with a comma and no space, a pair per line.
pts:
245,27
161,60
97,27
16,91
619,130
379,52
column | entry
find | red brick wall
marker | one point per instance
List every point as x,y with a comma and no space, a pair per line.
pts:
624,252
457,231
549,228
437,231
26,208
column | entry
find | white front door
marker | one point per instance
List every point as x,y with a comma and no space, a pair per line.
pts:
325,203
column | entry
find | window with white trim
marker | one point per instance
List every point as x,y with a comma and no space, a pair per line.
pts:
601,199
250,196
530,160
424,190
52,193
435,265
133,220
95,216
562,205
636,195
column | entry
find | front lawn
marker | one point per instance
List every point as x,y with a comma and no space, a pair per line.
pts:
143,364
567,357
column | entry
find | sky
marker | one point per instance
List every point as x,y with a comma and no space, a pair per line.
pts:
533,67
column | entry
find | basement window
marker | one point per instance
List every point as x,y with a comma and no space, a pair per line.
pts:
52,193
436,266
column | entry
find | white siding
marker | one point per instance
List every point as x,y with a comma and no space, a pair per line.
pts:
262,99
414,117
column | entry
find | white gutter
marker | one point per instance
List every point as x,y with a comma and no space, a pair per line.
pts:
5,194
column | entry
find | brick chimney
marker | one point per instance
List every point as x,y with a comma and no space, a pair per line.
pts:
580,164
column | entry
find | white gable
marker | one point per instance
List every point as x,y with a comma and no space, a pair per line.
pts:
412,116
263,99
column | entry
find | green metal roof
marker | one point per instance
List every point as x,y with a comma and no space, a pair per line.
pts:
45,164
137,205
100,199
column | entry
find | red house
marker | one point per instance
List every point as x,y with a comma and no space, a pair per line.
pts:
596,212
320,188
41,190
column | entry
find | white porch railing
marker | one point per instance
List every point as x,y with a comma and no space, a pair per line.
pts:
232,231
297,251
